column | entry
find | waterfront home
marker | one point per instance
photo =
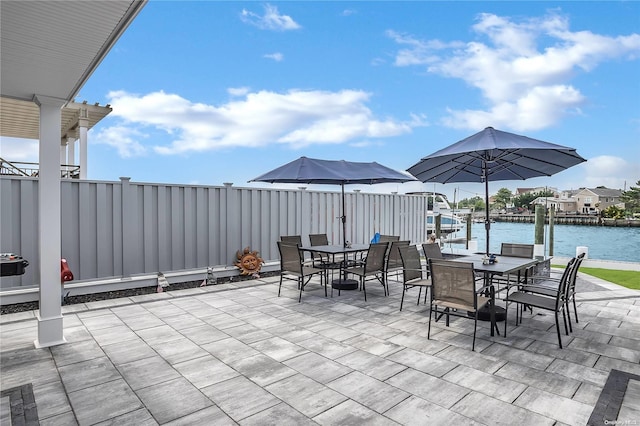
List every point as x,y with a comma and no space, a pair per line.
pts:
595,200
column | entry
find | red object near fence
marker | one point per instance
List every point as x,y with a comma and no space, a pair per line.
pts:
65,272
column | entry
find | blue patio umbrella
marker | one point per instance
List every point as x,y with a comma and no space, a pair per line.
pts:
493,155
333,172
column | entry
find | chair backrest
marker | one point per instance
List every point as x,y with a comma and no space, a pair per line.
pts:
453,281
376,257
388,238
318,239
517,250
571,285
290,257
432,251
291,239
393,257
564,284
411,265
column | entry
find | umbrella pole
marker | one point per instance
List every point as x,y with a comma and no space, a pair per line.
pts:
487,221
344,221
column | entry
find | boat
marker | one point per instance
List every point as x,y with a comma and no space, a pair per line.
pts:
437,204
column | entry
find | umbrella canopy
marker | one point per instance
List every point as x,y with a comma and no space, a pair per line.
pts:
493,155
333,172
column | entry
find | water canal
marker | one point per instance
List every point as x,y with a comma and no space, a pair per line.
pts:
604,242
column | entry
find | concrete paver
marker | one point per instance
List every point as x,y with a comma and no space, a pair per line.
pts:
239,354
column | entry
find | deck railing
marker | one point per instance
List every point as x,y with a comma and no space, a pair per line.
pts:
23,168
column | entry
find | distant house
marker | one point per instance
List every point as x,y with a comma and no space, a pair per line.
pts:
557,204
594,200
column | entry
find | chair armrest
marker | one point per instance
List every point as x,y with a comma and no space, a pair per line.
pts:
542,278
485,287
529,287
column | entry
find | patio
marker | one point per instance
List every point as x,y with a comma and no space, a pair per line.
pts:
237,354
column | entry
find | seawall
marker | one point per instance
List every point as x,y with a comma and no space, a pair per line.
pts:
570,220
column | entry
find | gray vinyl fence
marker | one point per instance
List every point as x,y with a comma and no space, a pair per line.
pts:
123,228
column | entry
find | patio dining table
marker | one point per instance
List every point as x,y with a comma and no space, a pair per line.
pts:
504,265
342,283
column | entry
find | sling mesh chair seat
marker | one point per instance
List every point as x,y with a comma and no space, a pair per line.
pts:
292,268
431,251
555,304
453,292
548,286
393,261
373,267
524,251
291,239
412,272
294,240
324,261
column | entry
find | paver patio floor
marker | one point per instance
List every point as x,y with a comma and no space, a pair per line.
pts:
239,354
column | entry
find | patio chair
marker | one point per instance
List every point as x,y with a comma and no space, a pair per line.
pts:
516,250
323,261
431,251
526,297
524,251
453,292
295,240
291,239
393,261
388,238
548,287
292,268
412,272
373,267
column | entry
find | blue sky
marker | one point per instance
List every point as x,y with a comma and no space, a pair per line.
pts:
211,92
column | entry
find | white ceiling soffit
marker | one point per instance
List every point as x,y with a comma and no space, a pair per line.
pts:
51,47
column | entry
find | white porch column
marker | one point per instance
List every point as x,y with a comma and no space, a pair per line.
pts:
63,153
71,151
84,126
49,215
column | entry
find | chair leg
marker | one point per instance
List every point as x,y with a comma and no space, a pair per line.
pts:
564,319
575,309
558,331
419,296
364,288
325,283
506,312
384,284
568,311
280,286
429,328
404,288
475,326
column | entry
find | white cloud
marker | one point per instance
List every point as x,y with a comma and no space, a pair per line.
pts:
537,109
349,12
298,118
16,149
124,139
275,56
271,20
522,69
610,171
238,91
